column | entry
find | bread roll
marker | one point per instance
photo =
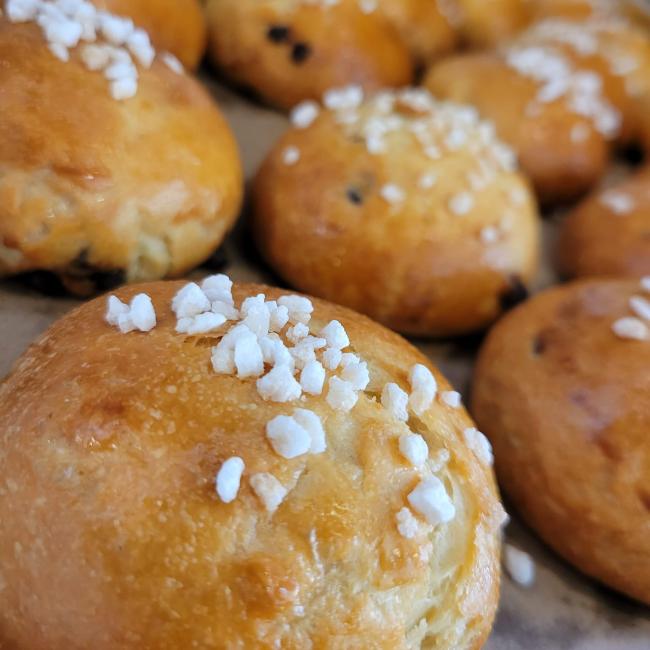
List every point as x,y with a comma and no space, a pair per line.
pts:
617,51
570,88
116,533
609,232
561,151
291,51
401,207
563,391
108,180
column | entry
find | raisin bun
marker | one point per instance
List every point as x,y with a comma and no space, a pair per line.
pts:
612,48
399,206
609,232
116,165
176,27
291,50
573,88
285,52
239,468
563,391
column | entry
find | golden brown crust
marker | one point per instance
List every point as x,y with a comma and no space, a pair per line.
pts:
287,51
415,266
113,536
559,167
177,27
489,23
147,187
609,233
566,405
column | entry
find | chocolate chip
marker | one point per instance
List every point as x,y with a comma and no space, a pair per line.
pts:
354,196
515,294
300,52
278,34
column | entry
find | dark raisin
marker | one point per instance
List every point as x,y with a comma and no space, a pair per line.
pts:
515,294
105,280
81,260
539,345
278,34
96,279
354,196
218,261
632,154
91,282
300,52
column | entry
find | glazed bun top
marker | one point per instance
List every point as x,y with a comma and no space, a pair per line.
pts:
177,27
331,525
110,153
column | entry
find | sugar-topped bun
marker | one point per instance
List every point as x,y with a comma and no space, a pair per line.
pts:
561,151
153,499
609,233
399,206
572,87
127,172
562,389
177,27
612,48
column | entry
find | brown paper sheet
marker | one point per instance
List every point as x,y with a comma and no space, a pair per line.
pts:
563,610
